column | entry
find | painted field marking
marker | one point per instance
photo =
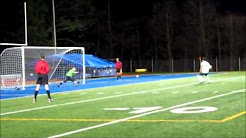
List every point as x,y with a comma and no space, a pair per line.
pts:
163,83
144,109
116,109
192,110
117,92
100,93
234,116
215,91
175,92
65,93
155,92
144,114
107,120
91,100
194,92
132,120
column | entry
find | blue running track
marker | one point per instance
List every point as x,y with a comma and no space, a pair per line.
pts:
90,83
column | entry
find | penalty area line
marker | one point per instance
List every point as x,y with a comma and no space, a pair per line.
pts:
144,114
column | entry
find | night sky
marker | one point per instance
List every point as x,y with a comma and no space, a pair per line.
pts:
11,20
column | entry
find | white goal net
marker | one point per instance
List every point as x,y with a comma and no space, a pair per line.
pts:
17,64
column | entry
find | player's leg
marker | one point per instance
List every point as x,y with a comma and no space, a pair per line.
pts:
118,74
46,85
74,81
36,93
200,78
207,78
67,79
38,83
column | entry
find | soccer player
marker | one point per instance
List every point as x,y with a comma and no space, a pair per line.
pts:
118,67
42,70
70,76
204,70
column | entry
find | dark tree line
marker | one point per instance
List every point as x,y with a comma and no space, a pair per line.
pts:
173,30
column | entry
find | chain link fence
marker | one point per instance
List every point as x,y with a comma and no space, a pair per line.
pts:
184,65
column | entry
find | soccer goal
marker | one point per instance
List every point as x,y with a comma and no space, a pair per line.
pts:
17,64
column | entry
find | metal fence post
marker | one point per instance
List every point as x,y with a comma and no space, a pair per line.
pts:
194,65
239,67
131,65
152,65
216,65
172,65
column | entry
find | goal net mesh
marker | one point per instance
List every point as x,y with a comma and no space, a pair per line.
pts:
17,64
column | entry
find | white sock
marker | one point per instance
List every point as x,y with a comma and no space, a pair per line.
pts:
200,78
207,78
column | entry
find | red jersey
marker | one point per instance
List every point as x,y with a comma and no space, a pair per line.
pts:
42,67
118,65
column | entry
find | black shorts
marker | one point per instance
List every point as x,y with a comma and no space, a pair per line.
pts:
118,70
42,79
69,79
203,74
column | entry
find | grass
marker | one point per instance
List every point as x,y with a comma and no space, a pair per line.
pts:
84,109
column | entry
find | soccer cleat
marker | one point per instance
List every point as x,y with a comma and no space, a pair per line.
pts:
34,100
50,100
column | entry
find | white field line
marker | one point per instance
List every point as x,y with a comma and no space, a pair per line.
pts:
100,93
117,109
137,83
215,91
162,84
65,93
227,79
96,99
144,114
194,92
155,92
117,92
175,92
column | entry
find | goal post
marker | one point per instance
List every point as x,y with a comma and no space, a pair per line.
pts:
20,62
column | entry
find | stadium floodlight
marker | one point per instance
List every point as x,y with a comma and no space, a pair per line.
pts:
17,64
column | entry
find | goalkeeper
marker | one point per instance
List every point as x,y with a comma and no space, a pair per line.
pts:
70,76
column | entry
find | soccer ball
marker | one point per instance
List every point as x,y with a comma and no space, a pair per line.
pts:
31,74
137,76
16,88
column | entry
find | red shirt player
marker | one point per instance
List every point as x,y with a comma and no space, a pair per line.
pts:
118,67
42,69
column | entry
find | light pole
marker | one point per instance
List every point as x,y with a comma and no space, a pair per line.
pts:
54,25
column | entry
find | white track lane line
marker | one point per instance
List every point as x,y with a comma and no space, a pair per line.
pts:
96,99
144,114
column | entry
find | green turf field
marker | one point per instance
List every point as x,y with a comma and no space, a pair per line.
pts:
135,110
